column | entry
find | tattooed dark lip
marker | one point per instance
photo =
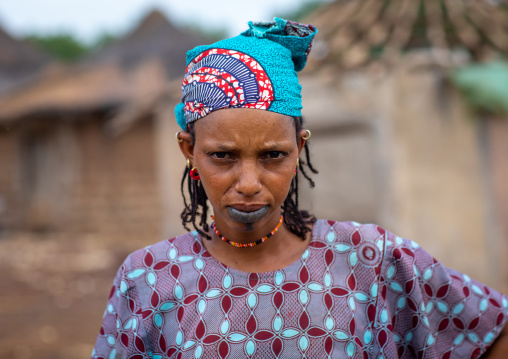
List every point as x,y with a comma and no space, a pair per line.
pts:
247,217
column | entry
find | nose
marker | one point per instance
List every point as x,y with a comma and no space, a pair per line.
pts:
248,181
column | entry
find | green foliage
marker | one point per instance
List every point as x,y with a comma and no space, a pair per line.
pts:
376,51
103,40
484,86
64,47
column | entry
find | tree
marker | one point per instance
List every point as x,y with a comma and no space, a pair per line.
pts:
64,47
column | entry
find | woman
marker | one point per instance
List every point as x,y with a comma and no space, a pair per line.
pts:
266,279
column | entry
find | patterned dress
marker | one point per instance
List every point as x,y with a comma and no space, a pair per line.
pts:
356,292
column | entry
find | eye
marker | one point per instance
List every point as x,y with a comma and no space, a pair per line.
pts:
275,154
220,155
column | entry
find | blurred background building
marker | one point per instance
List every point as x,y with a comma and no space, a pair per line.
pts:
407,102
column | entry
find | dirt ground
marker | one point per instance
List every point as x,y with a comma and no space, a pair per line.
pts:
53,291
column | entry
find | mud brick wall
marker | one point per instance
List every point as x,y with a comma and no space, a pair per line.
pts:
72,175
117,188
9,188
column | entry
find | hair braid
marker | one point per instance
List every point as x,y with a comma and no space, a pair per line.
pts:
295,219
198,198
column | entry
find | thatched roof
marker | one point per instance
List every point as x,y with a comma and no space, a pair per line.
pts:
155,37
135,69
356,32
18,60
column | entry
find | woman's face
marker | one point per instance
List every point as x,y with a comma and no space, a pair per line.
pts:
246,160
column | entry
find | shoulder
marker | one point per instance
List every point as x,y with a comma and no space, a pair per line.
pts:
348,231
181,248
158,268
346,236
357,234
372,245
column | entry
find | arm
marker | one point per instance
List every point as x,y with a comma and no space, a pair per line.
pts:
119,333
442,307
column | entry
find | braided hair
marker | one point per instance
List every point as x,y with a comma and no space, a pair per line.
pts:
296,220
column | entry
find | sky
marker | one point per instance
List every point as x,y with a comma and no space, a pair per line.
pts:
88,18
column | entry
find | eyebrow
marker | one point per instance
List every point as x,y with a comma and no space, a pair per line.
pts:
270,146
226,147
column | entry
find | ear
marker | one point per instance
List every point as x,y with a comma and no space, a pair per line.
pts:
301,141
186,146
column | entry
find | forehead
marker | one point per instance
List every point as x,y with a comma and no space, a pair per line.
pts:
245,124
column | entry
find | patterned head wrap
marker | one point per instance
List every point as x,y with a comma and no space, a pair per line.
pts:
256,69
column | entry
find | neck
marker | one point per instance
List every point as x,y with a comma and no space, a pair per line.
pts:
249,244
246,232
280,250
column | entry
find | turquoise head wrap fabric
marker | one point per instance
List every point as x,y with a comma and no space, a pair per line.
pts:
256,69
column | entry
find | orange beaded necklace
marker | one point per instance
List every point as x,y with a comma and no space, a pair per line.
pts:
251,244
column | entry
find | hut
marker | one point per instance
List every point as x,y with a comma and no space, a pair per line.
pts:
394,142
19,61
80,143
397,145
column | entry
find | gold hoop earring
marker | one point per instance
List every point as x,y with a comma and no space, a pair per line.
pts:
178,138
188,164
305,138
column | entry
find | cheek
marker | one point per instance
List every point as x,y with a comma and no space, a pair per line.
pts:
279,183
215,183
211,183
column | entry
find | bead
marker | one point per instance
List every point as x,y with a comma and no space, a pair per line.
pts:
251,244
